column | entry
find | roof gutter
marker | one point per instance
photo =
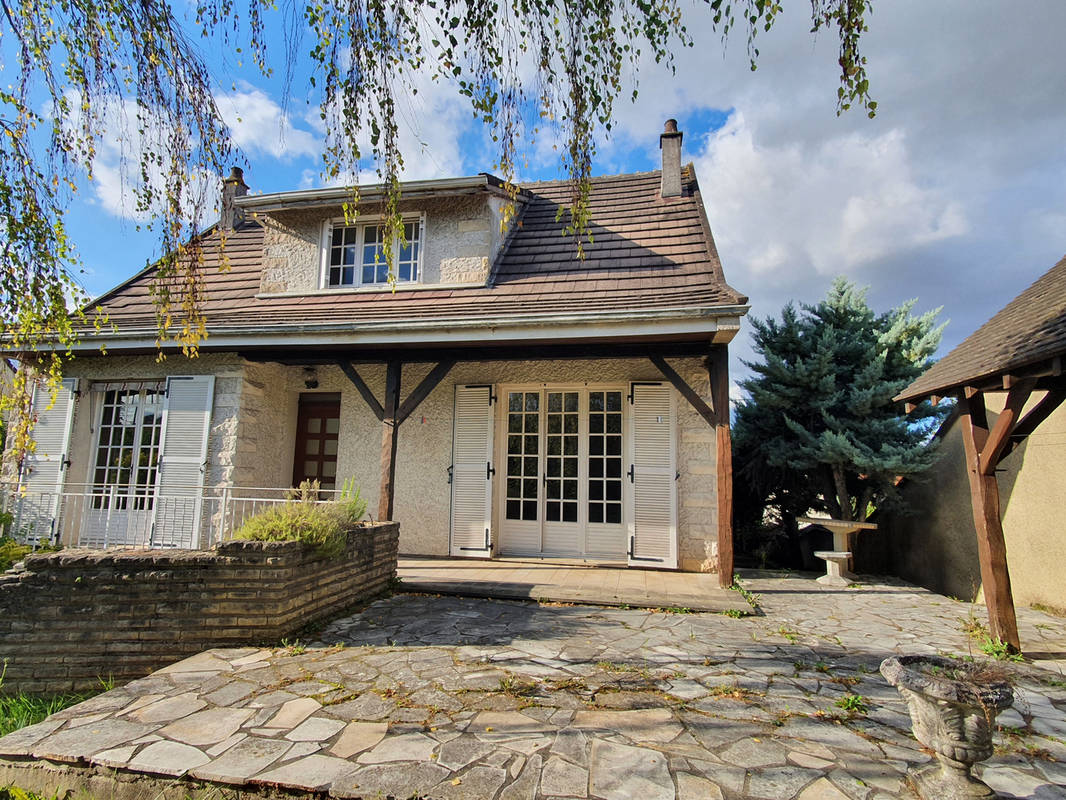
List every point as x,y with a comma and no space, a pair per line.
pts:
719,322
309,198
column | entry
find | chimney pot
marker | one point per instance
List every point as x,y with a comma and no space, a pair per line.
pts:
233,187
670,144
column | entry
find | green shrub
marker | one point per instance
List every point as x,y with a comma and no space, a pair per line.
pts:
318,524
11,551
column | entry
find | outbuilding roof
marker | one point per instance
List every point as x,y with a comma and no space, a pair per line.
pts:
646,253
1027,333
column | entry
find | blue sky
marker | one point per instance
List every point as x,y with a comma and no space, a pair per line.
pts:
955,193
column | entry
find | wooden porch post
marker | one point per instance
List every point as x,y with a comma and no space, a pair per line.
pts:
984,496
718,371
389,423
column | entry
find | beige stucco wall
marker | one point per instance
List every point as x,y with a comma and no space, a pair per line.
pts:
423,495
254,417
936,546
462,237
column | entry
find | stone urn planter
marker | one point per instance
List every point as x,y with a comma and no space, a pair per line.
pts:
952,705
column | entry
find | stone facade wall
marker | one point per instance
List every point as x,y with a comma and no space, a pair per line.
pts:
222,444
460,240
72,617
424,451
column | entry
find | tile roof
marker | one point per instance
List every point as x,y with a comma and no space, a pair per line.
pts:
1030,329
646,253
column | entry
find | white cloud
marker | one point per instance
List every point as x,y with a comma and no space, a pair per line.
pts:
260,126
826,208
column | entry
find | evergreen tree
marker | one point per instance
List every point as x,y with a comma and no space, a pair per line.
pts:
819,429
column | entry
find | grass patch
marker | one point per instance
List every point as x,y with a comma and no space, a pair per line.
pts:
17,710
320,525
853,704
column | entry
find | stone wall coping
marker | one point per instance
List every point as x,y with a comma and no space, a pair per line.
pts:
131,558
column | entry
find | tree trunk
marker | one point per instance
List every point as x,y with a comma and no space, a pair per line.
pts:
843,498
831,494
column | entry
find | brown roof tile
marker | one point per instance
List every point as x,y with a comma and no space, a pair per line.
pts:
1030,329
645,253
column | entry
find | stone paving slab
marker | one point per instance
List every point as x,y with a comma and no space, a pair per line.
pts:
548,581
455,698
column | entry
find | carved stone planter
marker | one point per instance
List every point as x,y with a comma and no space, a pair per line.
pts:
952,705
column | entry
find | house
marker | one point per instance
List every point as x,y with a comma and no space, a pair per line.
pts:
506,398
988,516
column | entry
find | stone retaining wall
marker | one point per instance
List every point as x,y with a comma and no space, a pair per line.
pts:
72,617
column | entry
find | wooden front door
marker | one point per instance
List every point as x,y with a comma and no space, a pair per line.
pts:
317,433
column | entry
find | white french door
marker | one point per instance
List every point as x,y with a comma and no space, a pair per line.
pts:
561,492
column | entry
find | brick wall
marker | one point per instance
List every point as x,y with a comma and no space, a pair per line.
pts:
72,617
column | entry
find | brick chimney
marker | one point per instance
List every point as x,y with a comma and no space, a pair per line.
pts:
232,188
670,144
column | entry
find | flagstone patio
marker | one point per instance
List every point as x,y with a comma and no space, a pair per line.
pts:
468,698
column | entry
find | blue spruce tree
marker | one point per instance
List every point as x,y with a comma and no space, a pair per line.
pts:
818,429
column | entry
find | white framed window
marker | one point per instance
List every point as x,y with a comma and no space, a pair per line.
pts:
127,445
354,255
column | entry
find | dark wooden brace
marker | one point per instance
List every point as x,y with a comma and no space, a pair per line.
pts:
391,414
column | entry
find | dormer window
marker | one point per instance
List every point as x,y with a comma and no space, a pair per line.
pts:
355,254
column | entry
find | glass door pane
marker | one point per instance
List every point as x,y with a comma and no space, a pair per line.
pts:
523,455
561,463
605,458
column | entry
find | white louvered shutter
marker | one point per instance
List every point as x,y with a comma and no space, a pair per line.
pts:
653,536
44,470
183,461
472,471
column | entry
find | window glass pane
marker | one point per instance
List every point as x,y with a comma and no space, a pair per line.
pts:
532,401
403,272
350,234
329,447
614,445
569,467
314,425
596,468
514,401
310,468
514,509
596,423
368,274
529,509
614,423
614,513
555,402
333,425
329,469
551,511
532,423
514,466
337,237
529,487
532,445
614,467
348,276
554,467
596,445
552,489
555,423
382,272
595,512
311,447
569,512
570,445
614,401
530,466
595,401
614,490
595,490
570,402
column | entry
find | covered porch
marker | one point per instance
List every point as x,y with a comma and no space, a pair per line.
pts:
559,581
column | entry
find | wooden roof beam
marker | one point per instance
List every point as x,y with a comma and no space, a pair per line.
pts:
690,394
999,436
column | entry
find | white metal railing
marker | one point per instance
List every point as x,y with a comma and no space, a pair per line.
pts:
84,515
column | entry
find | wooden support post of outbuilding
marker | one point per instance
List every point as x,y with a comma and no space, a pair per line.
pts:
718,371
